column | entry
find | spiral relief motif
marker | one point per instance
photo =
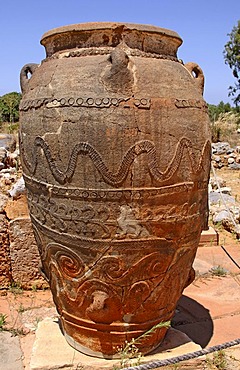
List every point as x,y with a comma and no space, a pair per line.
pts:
68,262
115,270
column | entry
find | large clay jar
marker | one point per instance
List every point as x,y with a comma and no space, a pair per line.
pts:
115,150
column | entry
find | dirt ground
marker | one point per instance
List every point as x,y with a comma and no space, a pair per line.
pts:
232,178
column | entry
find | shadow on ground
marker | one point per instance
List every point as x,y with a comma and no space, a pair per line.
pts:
194,320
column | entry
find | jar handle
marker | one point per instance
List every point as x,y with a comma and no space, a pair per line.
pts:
24,75
196,73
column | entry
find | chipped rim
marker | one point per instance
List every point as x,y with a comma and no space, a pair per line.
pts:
110,25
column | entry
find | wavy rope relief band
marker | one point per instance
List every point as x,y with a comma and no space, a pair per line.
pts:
117,178
187,356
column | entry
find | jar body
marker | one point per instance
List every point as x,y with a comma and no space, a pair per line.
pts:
115,152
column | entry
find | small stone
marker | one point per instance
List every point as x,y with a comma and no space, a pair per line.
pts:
217,158
18,188
8,142
224,190
222,215
10,352
215,198
221,147
217,181
3,201
3,154
231,160
5,175
8,170
8,181
234,166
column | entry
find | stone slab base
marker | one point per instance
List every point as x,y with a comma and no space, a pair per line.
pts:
10,352
51,351
209,237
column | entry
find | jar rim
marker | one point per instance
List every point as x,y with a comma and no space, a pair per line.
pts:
91,26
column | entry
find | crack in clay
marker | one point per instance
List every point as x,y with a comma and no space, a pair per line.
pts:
90,269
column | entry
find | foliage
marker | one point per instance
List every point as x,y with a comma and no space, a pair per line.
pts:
9,107
215,110
218,271
232,58
16,288
218,361
2,321
131,350
225,122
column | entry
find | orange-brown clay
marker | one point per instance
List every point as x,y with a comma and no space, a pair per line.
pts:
115,149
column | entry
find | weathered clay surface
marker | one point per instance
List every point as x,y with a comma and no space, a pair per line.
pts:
115,151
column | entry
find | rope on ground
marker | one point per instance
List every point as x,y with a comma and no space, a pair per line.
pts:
229,255
187,356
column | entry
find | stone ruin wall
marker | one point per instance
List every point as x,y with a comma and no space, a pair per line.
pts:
19,257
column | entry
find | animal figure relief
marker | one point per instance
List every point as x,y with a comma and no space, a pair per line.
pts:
129,225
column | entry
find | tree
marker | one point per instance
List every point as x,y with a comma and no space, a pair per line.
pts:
9,107
232,58
215,110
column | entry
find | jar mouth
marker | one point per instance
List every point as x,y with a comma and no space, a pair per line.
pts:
147,38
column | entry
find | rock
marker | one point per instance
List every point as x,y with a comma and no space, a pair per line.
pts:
222,215
9,170
8,142
237,231
12,159
3,202
18,188
231,160
16,208
5,262
5,175
3,154
24,253
234,166
215,198
224,190
10,352
217,158
217,181
221,147
215,164
228,225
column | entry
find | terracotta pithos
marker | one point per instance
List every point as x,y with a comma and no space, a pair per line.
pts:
115,149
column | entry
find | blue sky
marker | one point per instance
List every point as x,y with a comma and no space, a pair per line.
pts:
203,26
